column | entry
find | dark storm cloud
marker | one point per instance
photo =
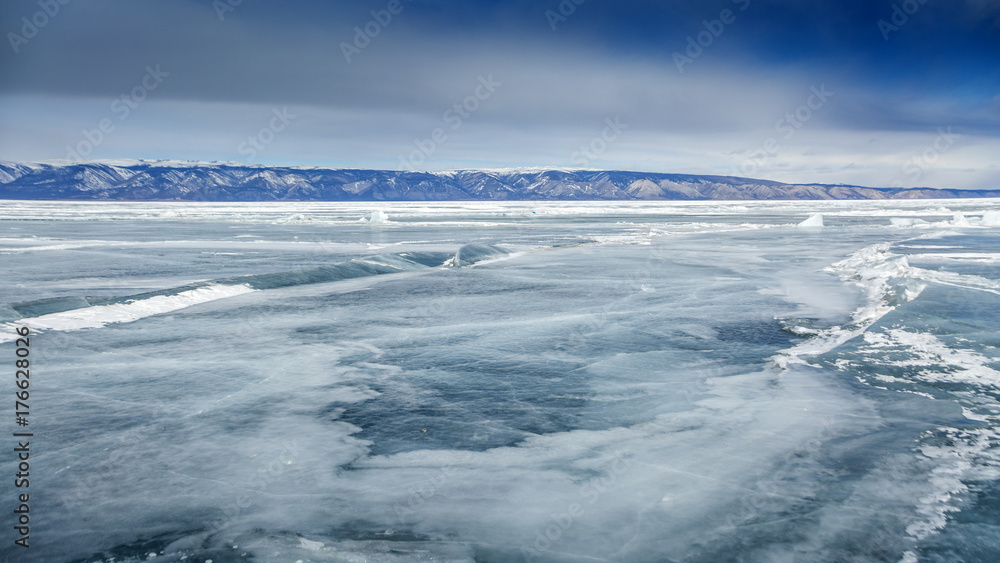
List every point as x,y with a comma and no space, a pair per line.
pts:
564,65
266,51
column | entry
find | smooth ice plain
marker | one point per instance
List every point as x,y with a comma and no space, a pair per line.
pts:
634,382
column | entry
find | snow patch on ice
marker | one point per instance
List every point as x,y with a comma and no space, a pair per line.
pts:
943,363
129,311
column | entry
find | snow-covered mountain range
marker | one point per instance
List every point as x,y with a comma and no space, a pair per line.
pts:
171,180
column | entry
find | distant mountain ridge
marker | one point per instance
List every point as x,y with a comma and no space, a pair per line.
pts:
181,181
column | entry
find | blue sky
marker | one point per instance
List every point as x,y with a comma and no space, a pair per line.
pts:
874,92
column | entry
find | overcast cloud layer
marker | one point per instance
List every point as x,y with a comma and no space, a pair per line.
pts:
873,92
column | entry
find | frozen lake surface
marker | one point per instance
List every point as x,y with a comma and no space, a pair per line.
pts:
564,382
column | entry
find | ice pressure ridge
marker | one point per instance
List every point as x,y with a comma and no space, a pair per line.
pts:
75,313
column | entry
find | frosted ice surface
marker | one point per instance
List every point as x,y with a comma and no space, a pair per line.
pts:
509,381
